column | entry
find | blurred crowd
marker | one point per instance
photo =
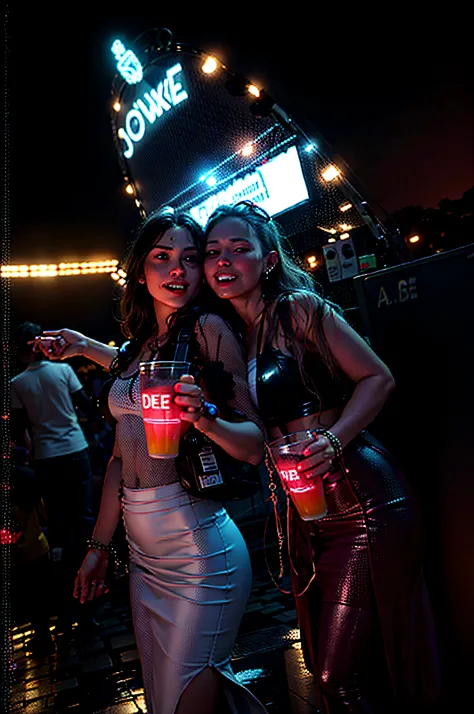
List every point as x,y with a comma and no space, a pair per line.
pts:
55,501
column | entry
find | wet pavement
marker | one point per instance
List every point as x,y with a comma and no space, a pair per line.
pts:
97,668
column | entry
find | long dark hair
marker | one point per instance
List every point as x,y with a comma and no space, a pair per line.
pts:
137,313
284,282
138,319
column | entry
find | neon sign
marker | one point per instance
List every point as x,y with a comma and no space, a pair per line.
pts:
151,107
276,186
128,63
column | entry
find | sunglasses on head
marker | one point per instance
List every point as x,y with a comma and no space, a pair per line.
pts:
255,208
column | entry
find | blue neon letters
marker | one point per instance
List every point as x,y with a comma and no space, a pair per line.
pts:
151,107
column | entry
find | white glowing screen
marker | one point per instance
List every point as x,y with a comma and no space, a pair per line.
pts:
275,186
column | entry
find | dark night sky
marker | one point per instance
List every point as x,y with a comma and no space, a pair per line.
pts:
394,102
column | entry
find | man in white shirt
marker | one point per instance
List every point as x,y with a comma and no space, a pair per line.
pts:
43,400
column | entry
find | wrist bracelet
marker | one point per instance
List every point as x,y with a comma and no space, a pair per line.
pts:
94,544
120,568
333,439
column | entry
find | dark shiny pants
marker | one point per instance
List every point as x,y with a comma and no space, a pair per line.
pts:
365,620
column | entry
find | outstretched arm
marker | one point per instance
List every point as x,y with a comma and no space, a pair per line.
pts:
64,343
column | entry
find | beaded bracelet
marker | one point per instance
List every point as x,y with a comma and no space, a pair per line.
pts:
120,568
336,445
94,544
333,440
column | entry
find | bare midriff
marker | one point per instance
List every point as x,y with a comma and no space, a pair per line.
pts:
321,420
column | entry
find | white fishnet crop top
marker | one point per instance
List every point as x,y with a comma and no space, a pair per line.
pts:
224,373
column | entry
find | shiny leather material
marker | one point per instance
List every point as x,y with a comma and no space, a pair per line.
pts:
282,394
369,587
278,374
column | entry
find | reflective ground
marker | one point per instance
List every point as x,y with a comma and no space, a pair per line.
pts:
97,669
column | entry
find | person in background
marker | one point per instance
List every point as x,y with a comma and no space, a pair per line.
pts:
44,398
31,565
357,573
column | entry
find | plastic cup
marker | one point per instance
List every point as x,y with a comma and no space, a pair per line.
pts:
160,413
307,494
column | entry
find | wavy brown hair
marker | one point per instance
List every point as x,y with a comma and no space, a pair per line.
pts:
289,292
138,320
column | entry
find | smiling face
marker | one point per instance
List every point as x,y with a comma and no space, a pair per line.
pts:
172,271
233,262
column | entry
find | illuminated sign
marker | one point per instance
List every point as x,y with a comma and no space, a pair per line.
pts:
128,63
276,186
151,107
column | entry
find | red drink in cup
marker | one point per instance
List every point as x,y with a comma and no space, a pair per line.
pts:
307,494
160,413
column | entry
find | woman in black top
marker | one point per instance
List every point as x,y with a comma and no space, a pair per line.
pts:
360,593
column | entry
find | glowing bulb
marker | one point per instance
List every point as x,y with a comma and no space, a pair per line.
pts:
332,230
111,343
345,207
247,150
252,89
331,173
331,240
345,227
114,276
117,106
414,239
343,236
211,181
209,66
309,148
129,189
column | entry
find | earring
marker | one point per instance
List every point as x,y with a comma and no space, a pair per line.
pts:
267,272
141,281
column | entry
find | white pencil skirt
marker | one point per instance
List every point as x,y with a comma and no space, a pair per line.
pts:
190,579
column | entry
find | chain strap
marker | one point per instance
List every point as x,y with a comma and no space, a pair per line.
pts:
272,487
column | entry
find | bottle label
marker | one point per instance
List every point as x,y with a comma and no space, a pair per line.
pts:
211,475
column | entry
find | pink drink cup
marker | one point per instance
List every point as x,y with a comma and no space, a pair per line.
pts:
307,494
160,413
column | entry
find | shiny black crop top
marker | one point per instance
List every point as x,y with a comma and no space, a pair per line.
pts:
280,391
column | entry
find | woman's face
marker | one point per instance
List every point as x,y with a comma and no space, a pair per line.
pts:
233,263
171,269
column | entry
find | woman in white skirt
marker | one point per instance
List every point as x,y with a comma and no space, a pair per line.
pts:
190,575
